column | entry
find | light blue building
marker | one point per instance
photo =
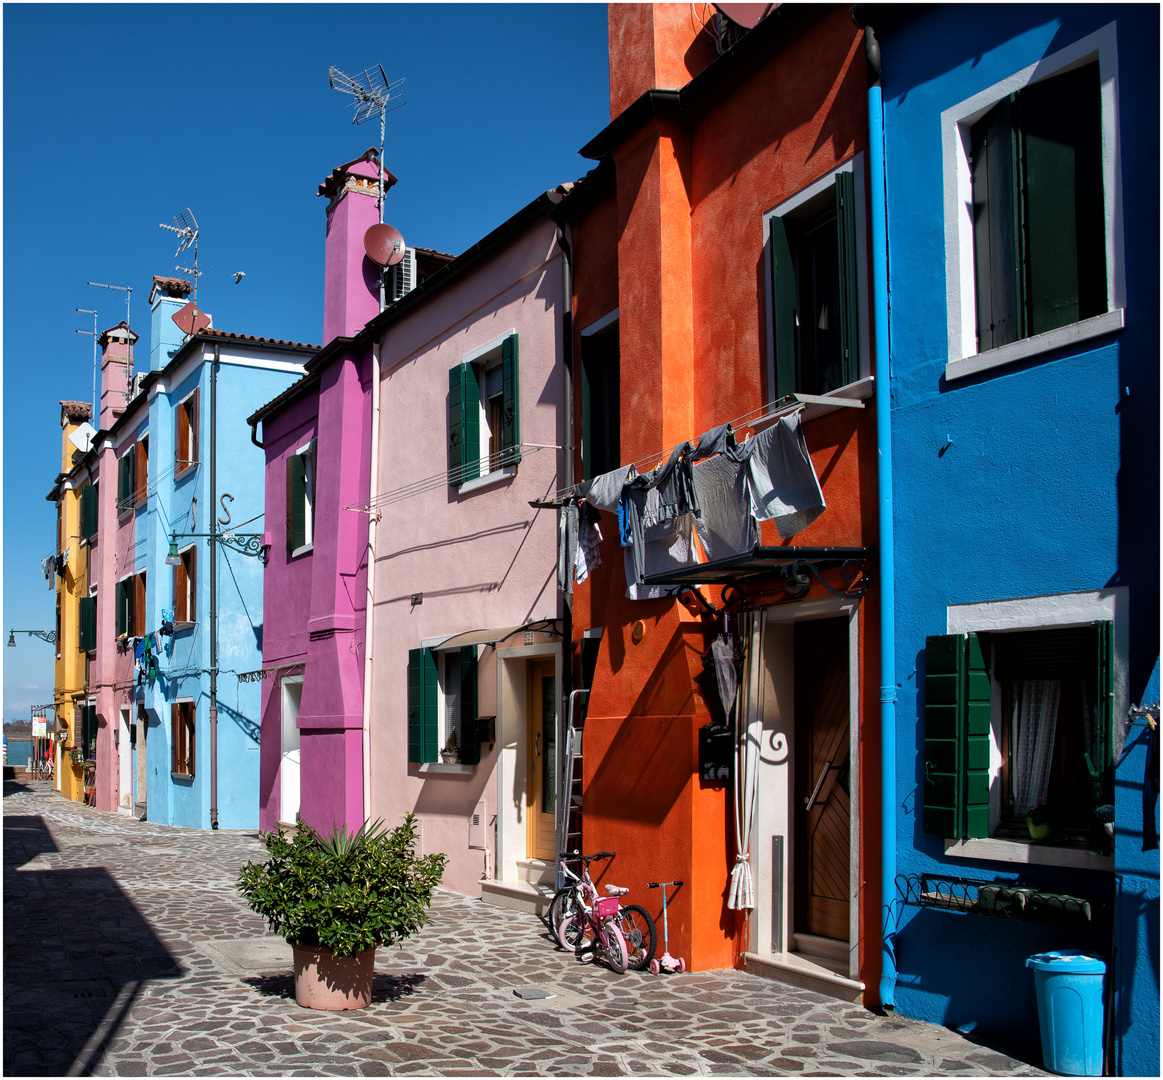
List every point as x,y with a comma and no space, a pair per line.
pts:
205,475
1022,183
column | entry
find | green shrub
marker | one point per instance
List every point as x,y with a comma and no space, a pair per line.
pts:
347,892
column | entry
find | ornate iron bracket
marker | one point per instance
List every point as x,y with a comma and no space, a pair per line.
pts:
247,543
850,570
45,635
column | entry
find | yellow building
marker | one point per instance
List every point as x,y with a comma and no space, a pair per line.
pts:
75,496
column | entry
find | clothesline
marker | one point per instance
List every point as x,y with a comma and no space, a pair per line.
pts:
754,419
460,475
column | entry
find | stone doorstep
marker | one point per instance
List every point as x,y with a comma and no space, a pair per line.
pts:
537,871
518,896
796,969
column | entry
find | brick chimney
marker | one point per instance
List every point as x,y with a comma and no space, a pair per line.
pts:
166,298
116,370
351,284
654,47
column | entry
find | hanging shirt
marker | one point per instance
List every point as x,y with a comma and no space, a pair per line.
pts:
781,479
726,526
588,538
566,546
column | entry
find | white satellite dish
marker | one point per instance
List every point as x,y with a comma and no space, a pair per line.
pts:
82,438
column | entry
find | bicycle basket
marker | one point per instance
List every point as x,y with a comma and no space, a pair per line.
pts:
605,907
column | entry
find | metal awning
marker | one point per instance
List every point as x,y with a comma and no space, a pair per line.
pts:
765,563
500,633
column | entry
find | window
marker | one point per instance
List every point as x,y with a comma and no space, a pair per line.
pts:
126,484
87,623
442,706
186,586
88,724
1016,720
601,399
182,737
484,417
141,468
186,433
301,499
1036,161
88,511
130,615
1032,210
818,310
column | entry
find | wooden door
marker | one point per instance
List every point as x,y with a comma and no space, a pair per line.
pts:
822,806
541,745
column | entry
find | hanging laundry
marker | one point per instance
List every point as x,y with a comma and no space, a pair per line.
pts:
49,567
603,492
666,546
676,492
588,538
720,440
567,524
726,526
781,479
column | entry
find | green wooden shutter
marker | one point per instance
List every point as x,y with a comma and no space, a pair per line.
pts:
956,770
88,511
125,482
783,308
296,501
89,732
464,424
87,620
976,727
846,262
470,740
511,408
422,690
942,806
122,613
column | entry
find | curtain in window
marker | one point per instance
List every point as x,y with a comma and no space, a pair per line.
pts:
749,733
1035,722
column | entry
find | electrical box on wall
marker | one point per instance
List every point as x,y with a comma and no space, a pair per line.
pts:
476,826
716,754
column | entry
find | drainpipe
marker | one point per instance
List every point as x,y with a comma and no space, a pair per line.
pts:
373,519
214,590
889,905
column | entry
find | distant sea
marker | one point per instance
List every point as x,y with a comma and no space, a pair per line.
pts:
18,753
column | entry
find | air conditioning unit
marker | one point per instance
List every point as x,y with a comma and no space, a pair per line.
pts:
402,276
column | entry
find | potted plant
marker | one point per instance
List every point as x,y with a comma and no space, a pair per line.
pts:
450,755
336,898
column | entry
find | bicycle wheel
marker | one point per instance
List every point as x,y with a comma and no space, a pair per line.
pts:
564,900
614,949
576,933
640,933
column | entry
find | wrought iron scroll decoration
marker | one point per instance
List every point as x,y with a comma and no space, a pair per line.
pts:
247,543
850,571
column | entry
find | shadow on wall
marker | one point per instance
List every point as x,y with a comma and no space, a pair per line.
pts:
645,769
52,1011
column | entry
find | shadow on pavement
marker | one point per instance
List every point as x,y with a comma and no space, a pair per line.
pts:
384,987
76,955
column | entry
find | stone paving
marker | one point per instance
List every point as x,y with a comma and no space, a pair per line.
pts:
128,952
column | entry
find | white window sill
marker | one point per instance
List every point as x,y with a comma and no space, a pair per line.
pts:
860,390
1107,323
488,480
455,770
1013,851
304,550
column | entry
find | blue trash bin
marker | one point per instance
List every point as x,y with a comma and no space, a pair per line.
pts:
1069,986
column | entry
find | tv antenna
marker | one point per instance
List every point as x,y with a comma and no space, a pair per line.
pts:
94,335
372,95
186,226
128,290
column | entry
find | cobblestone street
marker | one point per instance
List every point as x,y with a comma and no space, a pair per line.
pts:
128,952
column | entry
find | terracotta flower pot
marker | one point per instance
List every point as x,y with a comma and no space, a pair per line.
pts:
324,981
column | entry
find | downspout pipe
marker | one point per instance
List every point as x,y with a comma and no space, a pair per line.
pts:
373,520
888,694
214,590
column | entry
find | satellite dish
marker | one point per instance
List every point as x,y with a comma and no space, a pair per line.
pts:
190,319
384,245
82,438
746,15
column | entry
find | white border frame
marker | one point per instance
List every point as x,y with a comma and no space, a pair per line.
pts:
960,289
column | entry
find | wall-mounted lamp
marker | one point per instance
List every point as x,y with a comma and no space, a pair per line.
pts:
244,543
173,558
45,635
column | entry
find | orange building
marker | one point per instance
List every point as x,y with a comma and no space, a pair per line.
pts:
721,269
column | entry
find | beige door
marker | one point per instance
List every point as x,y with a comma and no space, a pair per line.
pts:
541,744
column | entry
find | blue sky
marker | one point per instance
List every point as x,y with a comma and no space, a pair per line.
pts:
119,117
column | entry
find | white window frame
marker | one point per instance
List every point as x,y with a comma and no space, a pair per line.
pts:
862,387
304,452
483,358
960,281
1041,613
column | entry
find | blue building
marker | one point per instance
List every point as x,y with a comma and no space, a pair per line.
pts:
1022,191
189,766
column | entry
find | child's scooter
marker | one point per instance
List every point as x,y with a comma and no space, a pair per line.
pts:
666,962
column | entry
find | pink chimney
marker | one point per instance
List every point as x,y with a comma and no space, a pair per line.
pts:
116,371
351,280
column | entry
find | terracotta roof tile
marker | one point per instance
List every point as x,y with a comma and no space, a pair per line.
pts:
172,286
335,178
210,332
77,410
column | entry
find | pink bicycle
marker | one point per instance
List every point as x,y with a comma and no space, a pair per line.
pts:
592,923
